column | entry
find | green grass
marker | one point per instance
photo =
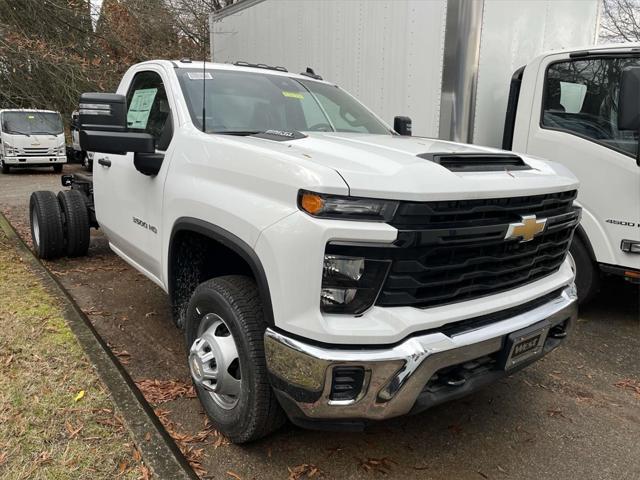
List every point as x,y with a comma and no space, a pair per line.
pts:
44,432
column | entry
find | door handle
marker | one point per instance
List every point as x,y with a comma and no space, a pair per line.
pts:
105,162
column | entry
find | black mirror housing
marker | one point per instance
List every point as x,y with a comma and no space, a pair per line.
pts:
117,143
103,111
102,122
402,125
629,99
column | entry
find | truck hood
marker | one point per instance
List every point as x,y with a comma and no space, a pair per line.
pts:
385,166
33,141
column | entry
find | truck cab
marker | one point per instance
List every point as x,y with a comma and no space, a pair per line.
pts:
31,138
564,107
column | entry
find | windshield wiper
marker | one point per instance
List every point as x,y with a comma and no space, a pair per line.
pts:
46,133
16,132
239,133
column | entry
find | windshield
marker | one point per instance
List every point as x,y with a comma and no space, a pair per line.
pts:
245,103
30,123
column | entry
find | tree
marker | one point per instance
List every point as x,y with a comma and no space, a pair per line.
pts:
50,52
620,21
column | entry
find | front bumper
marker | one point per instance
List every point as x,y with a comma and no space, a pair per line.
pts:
410,376
35,161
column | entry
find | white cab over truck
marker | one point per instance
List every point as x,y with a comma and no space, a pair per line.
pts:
449,65
320,264
31,138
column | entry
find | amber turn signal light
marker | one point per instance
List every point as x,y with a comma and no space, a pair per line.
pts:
311,203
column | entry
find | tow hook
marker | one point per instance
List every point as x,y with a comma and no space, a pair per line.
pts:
456,381
559,332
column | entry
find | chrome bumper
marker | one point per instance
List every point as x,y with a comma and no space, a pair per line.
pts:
35,161
395,377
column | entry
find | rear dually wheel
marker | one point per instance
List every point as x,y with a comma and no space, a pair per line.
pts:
46,225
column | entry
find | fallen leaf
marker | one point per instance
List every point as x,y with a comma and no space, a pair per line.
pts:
234,475
145,473
629,384
555,412
377,465
71,429
304,470
79,396
161,391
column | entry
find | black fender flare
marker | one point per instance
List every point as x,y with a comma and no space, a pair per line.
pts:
234,243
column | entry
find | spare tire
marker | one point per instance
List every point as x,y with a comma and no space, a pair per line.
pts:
75,220
46,225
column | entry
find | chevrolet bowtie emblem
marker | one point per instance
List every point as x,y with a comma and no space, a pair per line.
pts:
527,229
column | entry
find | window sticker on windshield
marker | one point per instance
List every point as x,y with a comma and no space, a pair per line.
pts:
140,107
199,76
31,117
297,95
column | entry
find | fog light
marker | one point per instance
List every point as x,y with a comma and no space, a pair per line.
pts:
350,284
337,296
348,268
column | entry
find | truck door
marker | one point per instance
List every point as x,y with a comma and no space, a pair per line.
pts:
128,202
574,122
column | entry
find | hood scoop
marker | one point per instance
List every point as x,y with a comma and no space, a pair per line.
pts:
477,162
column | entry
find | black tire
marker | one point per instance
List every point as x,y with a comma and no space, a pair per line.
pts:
46,225
587,272
5,167
75,221
235,299
57,168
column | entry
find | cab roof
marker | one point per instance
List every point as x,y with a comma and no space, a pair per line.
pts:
199,65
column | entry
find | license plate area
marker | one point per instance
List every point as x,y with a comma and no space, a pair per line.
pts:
525,345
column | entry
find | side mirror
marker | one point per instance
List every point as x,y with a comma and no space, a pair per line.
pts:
629,102
102,122
103,111
402,125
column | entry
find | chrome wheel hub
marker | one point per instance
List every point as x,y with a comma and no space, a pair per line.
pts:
214,362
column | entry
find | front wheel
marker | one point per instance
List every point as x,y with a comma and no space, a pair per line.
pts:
5,167
586,270
224,332
57,168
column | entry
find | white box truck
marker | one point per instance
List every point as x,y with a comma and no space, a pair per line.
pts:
31,138
476,72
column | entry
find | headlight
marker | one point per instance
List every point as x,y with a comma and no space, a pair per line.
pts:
62,150
346,208
350,285
10,151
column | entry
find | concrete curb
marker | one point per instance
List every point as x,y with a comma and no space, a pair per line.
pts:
159,452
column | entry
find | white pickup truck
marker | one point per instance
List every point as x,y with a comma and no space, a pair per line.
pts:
321,264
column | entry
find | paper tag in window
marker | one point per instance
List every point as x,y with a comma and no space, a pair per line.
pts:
297,95
140,108
199,76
